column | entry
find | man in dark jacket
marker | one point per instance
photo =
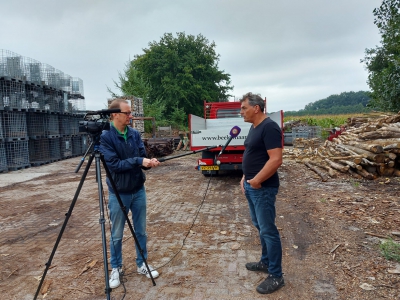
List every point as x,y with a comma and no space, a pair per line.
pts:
125,156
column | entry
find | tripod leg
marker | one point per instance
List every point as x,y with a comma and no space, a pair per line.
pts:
102,223
123,208
67,216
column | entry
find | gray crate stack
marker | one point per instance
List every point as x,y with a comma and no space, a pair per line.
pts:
40,109
3,160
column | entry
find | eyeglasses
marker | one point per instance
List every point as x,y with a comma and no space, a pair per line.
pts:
127,113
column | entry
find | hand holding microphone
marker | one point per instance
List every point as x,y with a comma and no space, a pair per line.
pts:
149,163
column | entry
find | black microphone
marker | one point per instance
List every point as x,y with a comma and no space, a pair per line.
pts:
233,133
104,112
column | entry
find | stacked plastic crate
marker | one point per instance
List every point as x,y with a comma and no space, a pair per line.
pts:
3,160
13,103
38,113
16,138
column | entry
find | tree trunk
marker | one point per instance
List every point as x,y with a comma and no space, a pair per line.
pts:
367,154
374,148
391,156
351,164
354,174
385,142
331,172
392,146
337,166
365,174
323,176
384,170
379,135
356,160
390,128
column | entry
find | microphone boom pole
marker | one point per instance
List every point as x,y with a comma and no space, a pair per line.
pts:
162,159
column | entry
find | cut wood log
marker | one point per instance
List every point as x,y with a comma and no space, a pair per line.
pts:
392,146
390,128
46,286
331,172
356,159
390,156
391,163
365,174
393,119
384,142
370,127
354,174
367,154
366,162
337,166
384,170
374,148
158,147
345,149
379,135
323,176
351,164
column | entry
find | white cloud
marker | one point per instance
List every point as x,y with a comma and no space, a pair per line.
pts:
292,52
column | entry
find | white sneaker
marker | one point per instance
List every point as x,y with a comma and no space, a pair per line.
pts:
114,278
143,270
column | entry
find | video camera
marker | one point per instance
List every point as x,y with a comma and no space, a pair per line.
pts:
96,121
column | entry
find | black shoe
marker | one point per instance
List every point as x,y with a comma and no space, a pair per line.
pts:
271,284
257,266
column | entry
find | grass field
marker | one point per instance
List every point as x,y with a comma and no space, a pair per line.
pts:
327,122
330,121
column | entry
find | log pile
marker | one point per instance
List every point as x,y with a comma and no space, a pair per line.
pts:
369,148
159,147
306,143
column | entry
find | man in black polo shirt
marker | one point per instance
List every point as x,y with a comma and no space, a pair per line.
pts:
260,183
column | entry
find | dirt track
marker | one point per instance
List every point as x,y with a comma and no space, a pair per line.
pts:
313,218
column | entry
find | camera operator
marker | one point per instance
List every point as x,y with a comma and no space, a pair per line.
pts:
125,156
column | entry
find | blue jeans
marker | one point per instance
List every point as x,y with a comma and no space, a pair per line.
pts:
262,210
136,203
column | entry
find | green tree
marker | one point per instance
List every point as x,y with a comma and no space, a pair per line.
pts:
181,72
383,62
131,83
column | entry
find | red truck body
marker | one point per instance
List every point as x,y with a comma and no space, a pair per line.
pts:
214,129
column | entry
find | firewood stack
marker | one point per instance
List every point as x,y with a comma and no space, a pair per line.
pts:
369,148
158,147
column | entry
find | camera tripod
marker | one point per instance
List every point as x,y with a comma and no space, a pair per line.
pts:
98,156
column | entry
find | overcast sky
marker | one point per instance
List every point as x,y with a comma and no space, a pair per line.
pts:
291,52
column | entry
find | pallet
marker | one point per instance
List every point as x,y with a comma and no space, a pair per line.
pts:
7,108
36,110
39,163
8,78
37,137
34,84
16,168
16,139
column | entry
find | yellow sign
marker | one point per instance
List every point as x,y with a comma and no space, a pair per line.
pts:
209,168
